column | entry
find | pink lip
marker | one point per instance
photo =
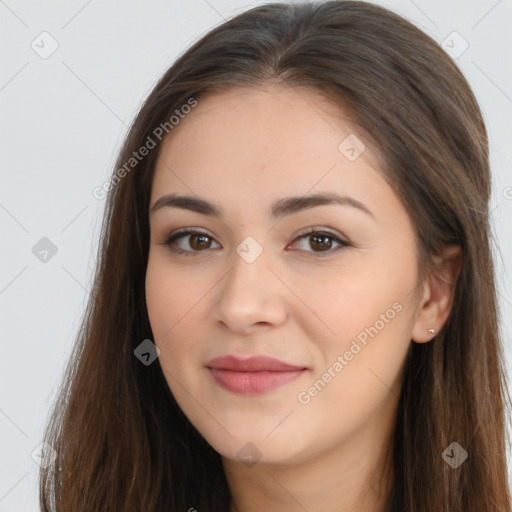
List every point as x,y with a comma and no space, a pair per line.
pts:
253,375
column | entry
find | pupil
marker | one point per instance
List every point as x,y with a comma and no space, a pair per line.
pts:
195,237
324,238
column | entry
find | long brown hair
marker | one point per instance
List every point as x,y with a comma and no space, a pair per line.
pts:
123,444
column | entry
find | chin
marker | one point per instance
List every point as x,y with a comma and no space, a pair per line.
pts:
254,449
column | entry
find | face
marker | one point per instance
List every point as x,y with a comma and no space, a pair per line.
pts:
326,288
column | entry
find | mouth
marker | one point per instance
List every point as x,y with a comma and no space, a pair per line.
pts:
255,375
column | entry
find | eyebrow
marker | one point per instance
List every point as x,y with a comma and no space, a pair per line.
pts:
278,209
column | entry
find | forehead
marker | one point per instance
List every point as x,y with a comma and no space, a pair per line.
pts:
274,117
269,141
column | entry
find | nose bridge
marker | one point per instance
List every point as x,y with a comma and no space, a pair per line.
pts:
250,264
250,293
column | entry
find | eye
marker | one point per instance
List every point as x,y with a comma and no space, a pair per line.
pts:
199,241
323,241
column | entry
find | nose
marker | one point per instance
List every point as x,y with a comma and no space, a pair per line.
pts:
251,294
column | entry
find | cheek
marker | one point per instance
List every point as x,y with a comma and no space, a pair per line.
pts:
344,303
173,299
358,366
359,331
170,296
164,305
160,299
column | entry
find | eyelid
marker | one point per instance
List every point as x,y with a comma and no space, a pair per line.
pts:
185,231
341,240
322,229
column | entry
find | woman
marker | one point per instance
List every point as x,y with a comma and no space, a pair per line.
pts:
294,305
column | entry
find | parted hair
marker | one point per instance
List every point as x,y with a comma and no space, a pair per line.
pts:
124,445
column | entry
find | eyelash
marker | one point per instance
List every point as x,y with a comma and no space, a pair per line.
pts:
182,234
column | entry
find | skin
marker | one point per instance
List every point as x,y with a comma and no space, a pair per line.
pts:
244,149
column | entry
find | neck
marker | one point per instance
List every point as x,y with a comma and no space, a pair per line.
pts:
354,476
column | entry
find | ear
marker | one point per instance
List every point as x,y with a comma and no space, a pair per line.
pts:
438,292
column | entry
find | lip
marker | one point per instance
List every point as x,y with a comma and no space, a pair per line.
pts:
253,375
251,364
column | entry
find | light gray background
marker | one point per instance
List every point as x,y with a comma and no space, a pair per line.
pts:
62,122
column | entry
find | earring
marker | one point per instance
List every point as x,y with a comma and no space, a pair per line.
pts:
431,331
